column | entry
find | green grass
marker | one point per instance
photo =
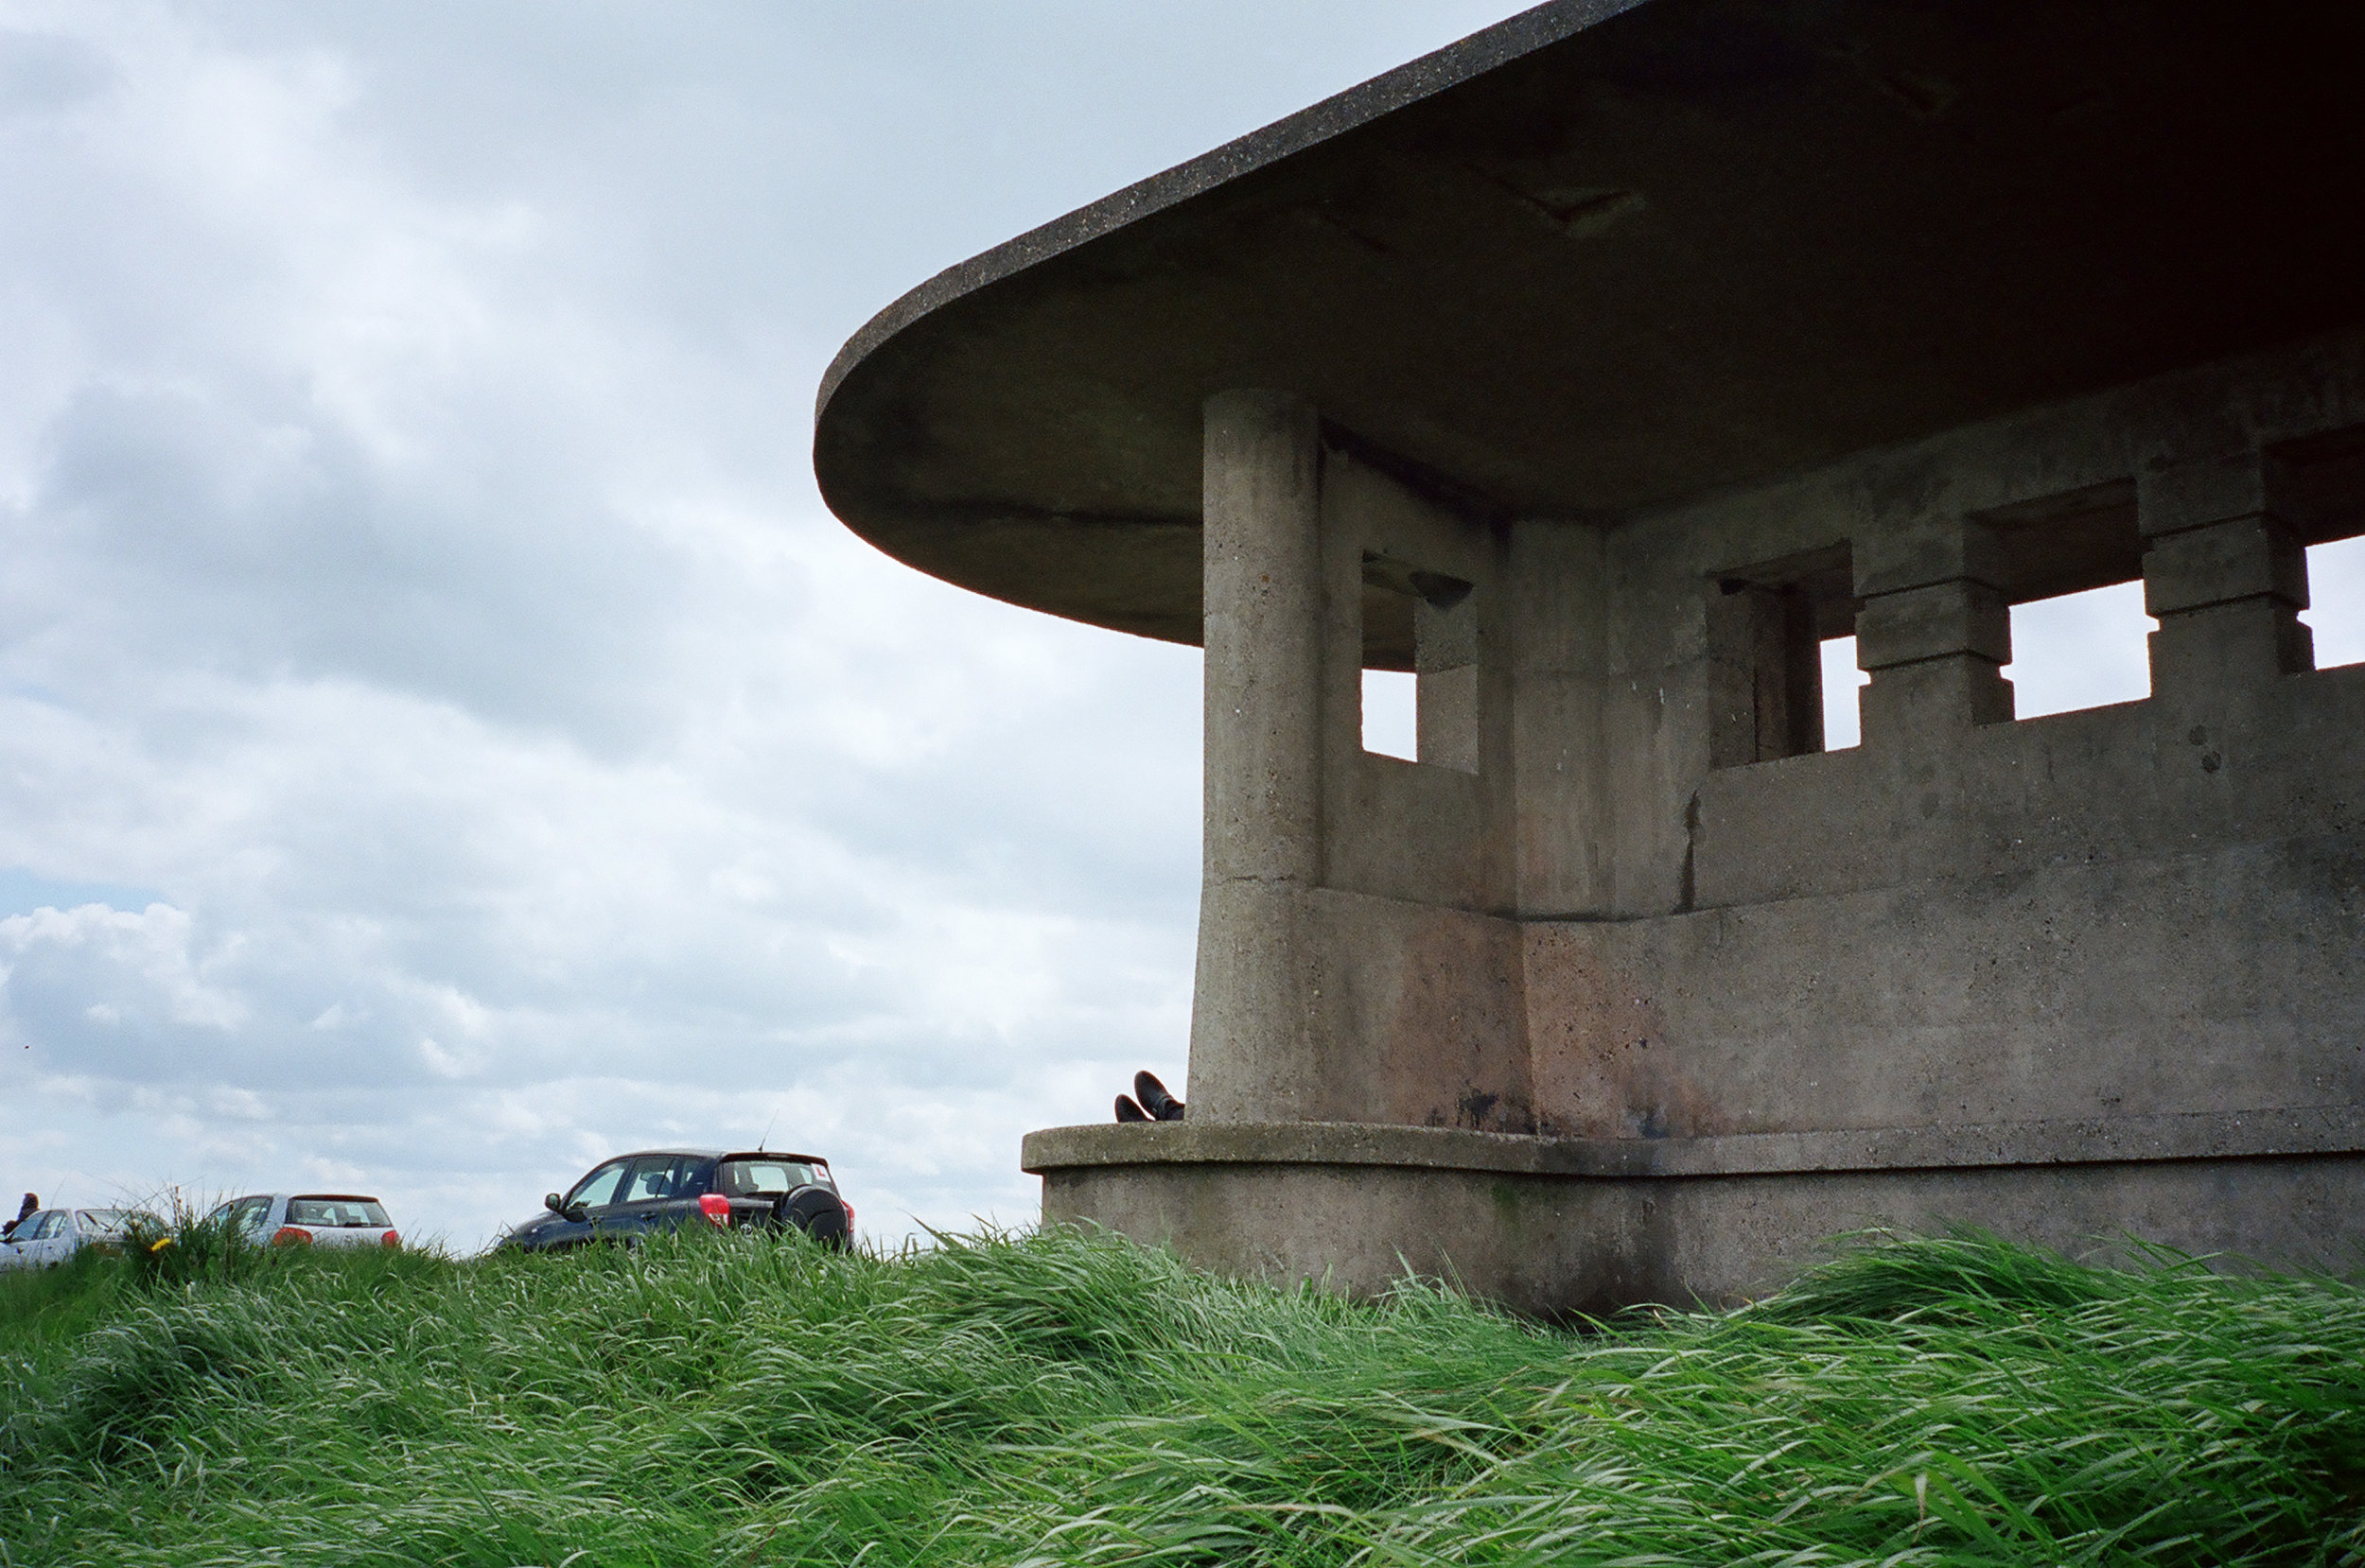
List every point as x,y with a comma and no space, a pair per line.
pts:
44,1312
1067,1400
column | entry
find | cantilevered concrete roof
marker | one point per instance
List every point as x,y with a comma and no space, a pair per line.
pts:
1608,254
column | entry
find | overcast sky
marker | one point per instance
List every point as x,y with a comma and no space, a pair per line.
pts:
443,740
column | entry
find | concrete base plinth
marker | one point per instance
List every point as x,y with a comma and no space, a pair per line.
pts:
1556,1225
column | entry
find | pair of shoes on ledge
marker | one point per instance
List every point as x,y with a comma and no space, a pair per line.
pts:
1150,1102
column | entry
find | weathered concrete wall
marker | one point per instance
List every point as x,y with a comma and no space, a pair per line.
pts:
1553,1226
1624,898
2153,907
2075,990
1348,968
1567,823
2131,909
1425,1015
1630,614
1438,831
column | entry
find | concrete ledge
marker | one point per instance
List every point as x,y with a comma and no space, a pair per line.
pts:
2218,1135
1557,1244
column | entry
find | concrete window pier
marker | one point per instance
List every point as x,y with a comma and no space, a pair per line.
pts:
1596,372
1936,629
2225,572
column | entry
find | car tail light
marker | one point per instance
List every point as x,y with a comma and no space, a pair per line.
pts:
288,1235
392,1238
717,1208
849,1215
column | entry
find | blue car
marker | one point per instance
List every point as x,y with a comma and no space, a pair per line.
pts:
633,1195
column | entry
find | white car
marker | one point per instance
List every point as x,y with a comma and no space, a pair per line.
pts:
308,1219
49,1236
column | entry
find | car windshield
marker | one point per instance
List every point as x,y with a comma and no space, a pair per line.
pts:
598,1187
106,1222
764,1179
336,1212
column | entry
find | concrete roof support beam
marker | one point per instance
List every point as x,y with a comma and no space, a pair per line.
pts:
2225,575
1254,1032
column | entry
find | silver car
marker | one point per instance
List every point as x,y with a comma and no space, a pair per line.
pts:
49,1236
308,1219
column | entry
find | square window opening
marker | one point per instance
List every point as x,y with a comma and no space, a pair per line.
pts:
1843,694
2073,579
2336,592
1392,725
1420,688
2075,650
2319,481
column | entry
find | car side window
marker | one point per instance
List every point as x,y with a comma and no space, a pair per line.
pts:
250,1215
659,1175
52,1225
597,1190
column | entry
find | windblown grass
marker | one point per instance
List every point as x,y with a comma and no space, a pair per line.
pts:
1067,1400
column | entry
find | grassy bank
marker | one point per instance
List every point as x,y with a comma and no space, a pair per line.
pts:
1059,1400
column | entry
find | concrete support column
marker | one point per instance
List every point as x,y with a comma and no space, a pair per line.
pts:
1445,665
1254,1043
1934,632
2224,574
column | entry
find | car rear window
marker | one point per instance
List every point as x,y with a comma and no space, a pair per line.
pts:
766,1179
336,1213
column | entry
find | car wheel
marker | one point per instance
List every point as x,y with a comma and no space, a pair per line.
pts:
817,1211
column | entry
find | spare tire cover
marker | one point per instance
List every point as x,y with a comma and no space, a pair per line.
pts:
815,1211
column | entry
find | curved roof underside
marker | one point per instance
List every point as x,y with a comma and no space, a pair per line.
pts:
1606,255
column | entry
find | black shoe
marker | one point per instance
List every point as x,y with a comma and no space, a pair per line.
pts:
1128,1111
1154,1098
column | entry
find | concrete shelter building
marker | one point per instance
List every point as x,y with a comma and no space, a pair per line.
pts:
1599,369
